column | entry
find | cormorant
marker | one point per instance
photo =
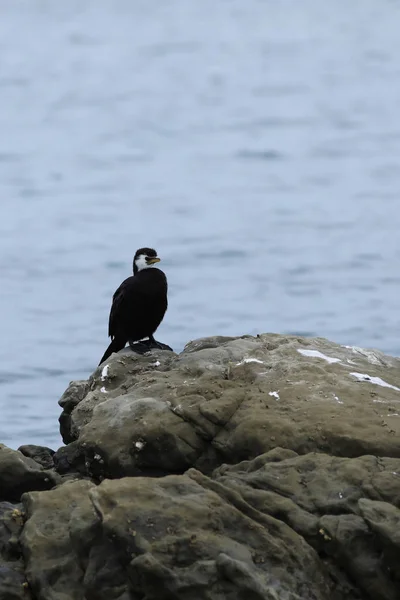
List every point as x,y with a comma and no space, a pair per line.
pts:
139,304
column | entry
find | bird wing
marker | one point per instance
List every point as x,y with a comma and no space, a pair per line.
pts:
118,302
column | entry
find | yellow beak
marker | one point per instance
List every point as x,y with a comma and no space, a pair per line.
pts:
151,261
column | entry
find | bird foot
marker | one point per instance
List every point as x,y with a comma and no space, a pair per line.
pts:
139,347
146,345
154,344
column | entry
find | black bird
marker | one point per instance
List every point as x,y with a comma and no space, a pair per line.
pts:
139,304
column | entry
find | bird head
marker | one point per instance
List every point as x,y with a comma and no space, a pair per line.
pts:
144,259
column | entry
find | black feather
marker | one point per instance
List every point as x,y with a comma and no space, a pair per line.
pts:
138,306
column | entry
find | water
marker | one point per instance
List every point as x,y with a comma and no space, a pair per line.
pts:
254,144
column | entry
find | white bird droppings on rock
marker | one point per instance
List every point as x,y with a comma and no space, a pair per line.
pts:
374,380
337,400
104,373
317,354
139,445
156,364
249,360
275,395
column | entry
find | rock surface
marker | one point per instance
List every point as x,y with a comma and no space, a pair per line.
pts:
19,474
227,400
56,533
41,454
249,468
13,583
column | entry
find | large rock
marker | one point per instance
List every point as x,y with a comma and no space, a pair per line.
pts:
174,537
19,474
181,538
257,467
279,527
346,509
231,399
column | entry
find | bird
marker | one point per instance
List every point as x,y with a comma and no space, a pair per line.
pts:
139,304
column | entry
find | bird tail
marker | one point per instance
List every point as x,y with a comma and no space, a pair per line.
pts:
115,346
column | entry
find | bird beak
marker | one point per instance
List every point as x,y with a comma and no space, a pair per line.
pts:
151,261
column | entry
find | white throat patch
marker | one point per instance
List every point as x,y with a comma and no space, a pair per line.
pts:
141,263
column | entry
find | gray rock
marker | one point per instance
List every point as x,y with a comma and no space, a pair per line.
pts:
181,539
279,526
383,520
19,474
13,584
59,529
260,467
171,537
346,509
74,393
70,459
231,399
41,454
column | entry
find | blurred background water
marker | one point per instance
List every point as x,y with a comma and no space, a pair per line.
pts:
254,144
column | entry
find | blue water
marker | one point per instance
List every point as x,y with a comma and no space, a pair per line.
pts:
255,145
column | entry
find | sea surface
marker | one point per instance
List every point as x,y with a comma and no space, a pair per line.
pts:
255,144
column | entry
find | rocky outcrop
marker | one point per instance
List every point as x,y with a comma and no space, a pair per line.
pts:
337,505
279,526
227,400
169,537
260,467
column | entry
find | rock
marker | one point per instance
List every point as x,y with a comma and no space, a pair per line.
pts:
347,509
260,467
383,520
19,474
70,459
172,537
13,584
181,539
75,392
41,454
231,399
59,529
280,526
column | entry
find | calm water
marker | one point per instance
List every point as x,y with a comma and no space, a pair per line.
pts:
255,145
